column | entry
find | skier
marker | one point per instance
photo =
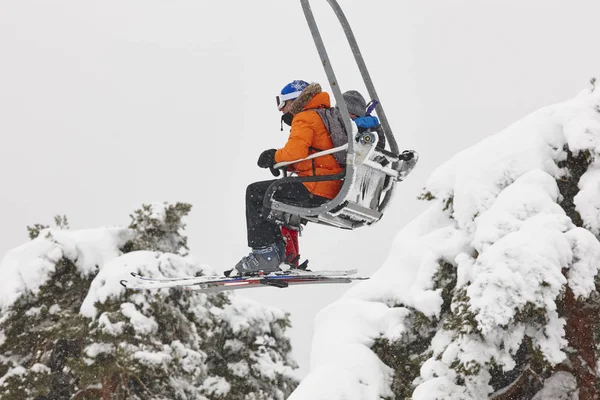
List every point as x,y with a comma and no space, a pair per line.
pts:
357,108
297,102
360,113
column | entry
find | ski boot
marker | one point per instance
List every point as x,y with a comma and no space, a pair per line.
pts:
261,261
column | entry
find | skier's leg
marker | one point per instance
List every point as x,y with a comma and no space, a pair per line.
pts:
261,232
265,236
299,194
292,250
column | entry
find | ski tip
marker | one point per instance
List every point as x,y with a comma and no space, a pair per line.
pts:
123,283
135,274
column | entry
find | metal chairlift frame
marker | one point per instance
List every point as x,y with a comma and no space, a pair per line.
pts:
354,159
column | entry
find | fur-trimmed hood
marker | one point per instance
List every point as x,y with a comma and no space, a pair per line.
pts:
305,97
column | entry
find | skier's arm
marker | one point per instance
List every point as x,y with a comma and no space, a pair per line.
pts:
298,144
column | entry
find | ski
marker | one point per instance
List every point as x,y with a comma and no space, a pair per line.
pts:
204,278
165,279
207,284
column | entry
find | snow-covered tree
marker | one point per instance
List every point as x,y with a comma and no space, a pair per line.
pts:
68,329
493,291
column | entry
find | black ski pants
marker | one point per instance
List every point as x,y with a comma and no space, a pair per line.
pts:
261,231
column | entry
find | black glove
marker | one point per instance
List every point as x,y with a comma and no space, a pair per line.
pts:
266,158
275,171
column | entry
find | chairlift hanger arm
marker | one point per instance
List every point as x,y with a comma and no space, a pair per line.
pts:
361,66
353,206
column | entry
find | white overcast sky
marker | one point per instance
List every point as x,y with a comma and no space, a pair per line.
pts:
108,105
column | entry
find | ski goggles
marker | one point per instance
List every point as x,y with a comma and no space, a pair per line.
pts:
282,98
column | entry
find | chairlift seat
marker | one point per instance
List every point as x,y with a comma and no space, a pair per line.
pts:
367,178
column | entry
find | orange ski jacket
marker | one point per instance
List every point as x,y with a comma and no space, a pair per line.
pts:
308,135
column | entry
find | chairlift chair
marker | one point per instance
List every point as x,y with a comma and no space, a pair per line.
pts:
370,173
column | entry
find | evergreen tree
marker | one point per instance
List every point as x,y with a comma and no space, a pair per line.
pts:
492,292
516,320
73,332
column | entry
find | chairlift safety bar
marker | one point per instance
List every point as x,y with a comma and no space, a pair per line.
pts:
314,155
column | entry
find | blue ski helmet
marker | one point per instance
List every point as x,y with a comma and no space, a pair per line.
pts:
290,92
